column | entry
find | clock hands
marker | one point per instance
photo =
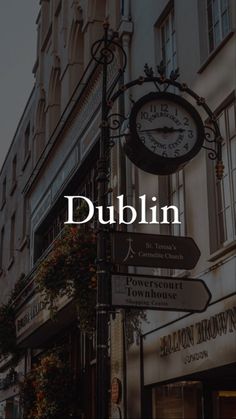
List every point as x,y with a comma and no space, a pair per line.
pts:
165,130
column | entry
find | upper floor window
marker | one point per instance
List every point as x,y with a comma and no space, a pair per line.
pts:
27,141
45,13
12,236
176,197
54,97
168,43
2,248
218,22
4,190
14,172
222,197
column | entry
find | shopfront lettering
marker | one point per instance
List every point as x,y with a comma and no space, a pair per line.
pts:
182,339
203,331
195,357
32,312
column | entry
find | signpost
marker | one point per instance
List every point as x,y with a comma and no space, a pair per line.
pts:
159,293
153,250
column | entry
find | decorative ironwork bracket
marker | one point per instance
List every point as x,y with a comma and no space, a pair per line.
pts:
115,121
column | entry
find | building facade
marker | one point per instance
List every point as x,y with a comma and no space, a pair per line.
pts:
162,364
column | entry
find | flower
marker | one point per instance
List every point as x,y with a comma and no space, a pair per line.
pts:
48,391
69,270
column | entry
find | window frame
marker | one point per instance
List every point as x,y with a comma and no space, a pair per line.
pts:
12,236
168,17
2,240
217,245
210,28
4,191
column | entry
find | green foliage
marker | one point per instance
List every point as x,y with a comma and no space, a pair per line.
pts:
133,323
48,391
69,270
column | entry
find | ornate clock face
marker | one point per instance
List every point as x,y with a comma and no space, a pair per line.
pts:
166,128
165,132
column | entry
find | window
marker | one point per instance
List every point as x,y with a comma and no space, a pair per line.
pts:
54,97
76,55
12,237
39,139
14,166
53,225
27,141
168,43
45,13
176,197
2,248
24,219
218,22
4,190
226,188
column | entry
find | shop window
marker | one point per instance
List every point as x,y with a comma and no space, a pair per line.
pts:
178,400
168,43
218,22
223,227
224,404
10,408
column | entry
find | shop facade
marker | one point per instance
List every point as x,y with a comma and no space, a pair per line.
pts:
189,365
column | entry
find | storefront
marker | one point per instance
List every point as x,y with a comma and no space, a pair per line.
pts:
10,380
61,342
189,366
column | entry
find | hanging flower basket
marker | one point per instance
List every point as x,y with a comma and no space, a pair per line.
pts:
48,391
69,269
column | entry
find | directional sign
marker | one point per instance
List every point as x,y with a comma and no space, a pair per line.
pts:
159,293
153,250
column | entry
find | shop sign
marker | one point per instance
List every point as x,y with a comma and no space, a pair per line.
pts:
159,293
154,250
33,315
192,344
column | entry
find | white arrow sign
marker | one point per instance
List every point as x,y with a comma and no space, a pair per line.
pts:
159,293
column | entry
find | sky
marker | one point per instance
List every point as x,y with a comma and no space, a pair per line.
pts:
17,56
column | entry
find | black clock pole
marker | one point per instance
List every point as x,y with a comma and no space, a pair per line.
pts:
102,263
102,52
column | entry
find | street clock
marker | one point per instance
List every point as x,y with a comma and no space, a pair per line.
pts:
165,132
